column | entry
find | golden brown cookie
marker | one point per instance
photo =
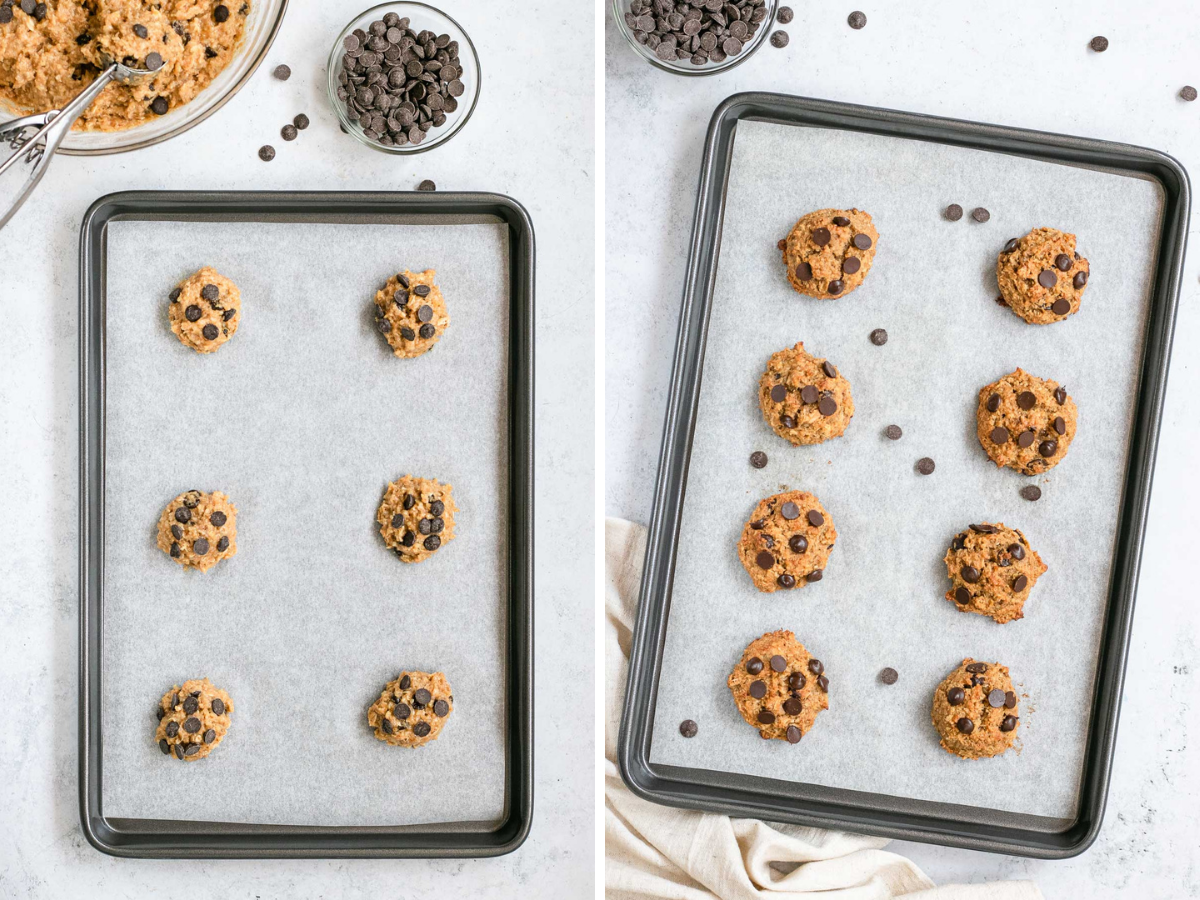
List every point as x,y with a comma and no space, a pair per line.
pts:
975,710
1025,423
804,399
192,719
410,313
779,687
992,569
198,529
412,709
416,517
1041,277
204,310
828,253
787,541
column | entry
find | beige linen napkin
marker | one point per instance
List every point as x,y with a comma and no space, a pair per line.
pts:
656,851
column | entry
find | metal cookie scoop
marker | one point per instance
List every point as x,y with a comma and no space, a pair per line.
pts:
35,138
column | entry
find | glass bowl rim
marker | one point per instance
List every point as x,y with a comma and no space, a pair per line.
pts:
619,9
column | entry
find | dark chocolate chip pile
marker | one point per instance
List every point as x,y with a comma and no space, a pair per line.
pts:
701,32
399,83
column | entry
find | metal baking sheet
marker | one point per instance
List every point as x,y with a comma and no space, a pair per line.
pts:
881,601
303,424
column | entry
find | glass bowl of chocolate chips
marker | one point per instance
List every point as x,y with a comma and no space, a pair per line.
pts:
696,37
403,77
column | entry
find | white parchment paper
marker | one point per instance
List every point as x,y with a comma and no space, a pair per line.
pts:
302,419
933,287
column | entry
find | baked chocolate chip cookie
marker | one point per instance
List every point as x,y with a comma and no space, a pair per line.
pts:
412,709
204,310
828,253
779,687
804,399
192,719
787,541
410,313
416,517
1025,423
198,529
1041,276
975,710
992,569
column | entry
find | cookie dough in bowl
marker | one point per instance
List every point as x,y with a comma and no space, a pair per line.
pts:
829,252
193,718
787,541
198,529
803,398
779,687
992,570
1025,422
416,517
410,313
204,310
412,709
1041,276
975,710
50,53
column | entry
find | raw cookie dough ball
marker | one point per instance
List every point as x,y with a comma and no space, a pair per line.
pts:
412,709
828,253
779,687
1025,423
787,541
198,529
992,569
205,309
192,719
975,710
411,313
1041,276
804,399
416,517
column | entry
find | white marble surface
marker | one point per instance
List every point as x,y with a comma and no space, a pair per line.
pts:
531,137
1017,64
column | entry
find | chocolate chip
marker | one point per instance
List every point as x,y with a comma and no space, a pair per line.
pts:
999,435
955,696
976,668
856,20
1047,279
191,724
984,528
1060,395
228,314
176,551
210,332
787,421
222,544
424,313
766,717
784,15
969,574
814,576
979,214
176,532
793,734
993,403
217,518
890,675
778,663
6,16
827,406
965,725
1019,584
1025,439
193,313
804,272
815,666
405,682
754,665
140,31
183,515
1099,43
765,559
815,519
386,726
172,728
288,132
191,750
953,212
266,153
397,521
1012,245
820,236
1060,307
401,711
1080,279
1062,262
779,39
758,524
426,185
792,706
282,72
1060,425
1010,699
962,596
409,539
778,393
796,681
925,465
190,705
879,337
688,728
1048,448
421,729
995,698
421,698
426,331
221,13
836,286
154,61
1008,723
433,542
1031,492
809,394
409,501
162,745
790,511
798,543
758,459
218,706
828,368
210,736
893,432
179,751
1026,400
437,507
786,580
200,547
1187,92
441,708
861,241
1016,551
301,121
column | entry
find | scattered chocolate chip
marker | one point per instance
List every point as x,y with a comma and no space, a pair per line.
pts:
993,403
999,435
282,72
793,734
784,15
1187,92
953,212
288,132
779,39
426,185
955,696
266,153
889,675
820,236
688,728
962,596
754,665
798,543
1099,43
1008,723
965,725
893,432
790,511
804,272
925,465
969,574
765,559
758,459
827,406
879,337
979,214
856,20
